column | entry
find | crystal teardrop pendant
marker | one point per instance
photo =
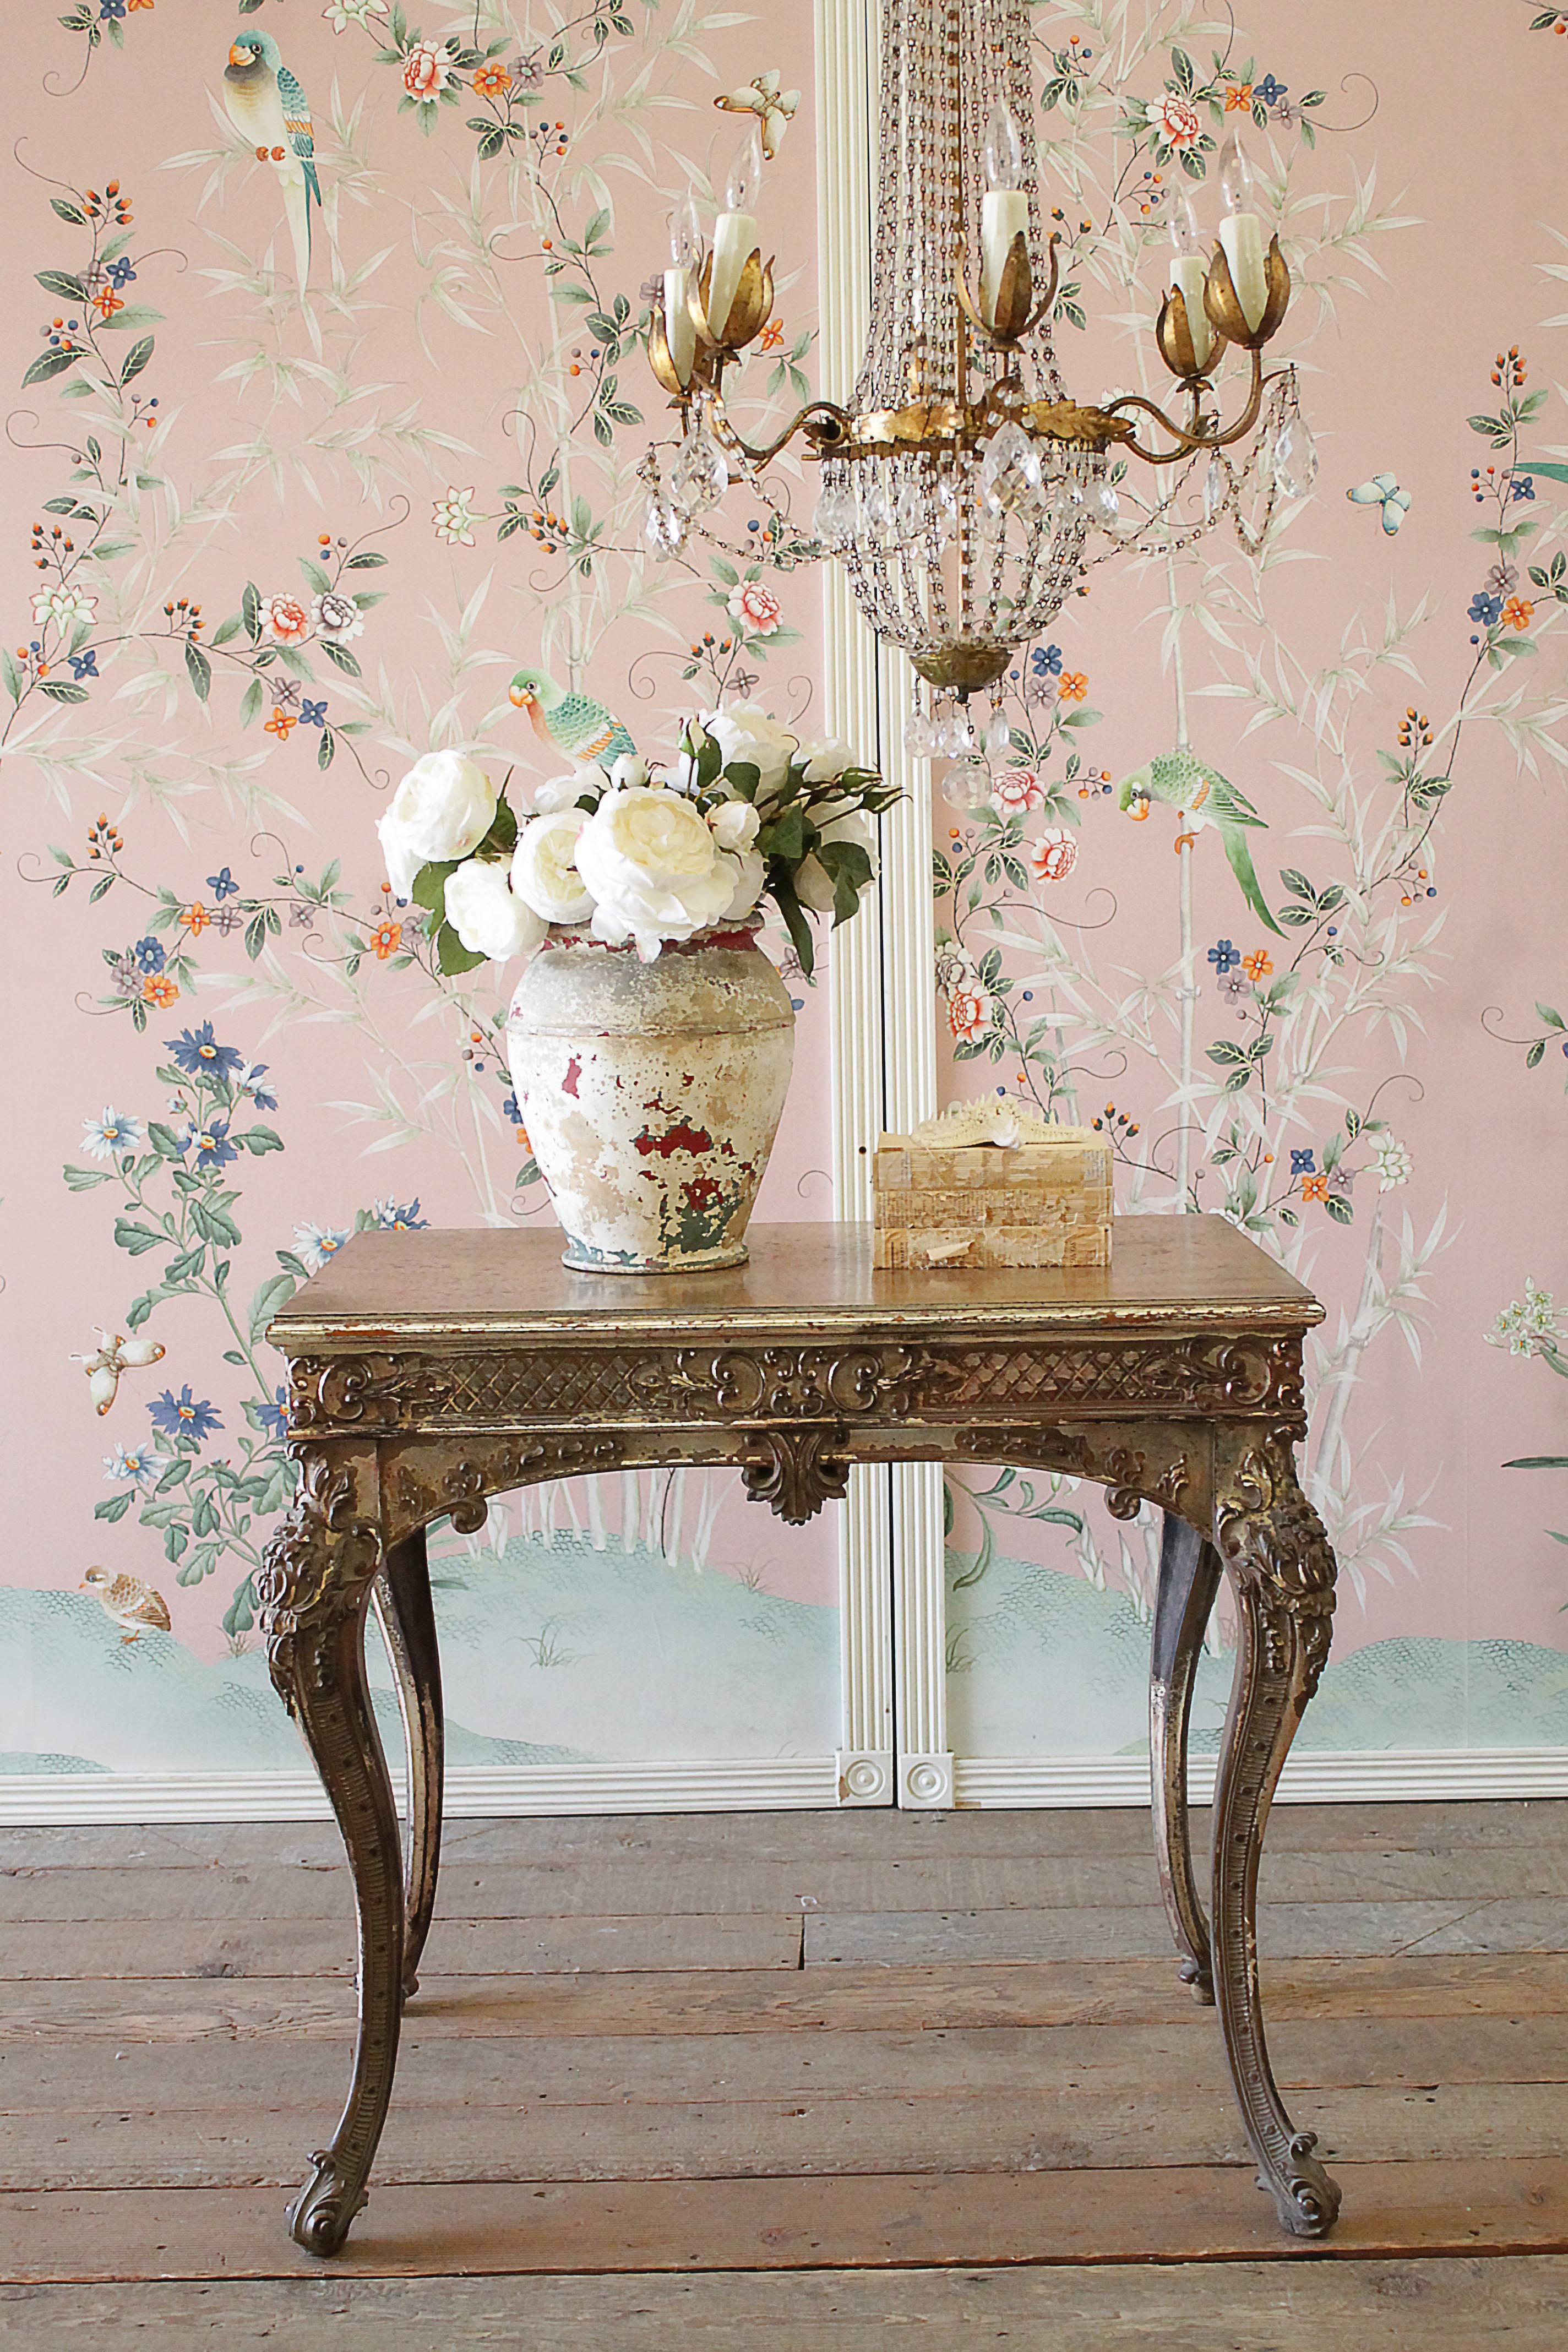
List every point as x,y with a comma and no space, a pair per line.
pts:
966,787
1105,507
1295,458
999,740
700,475
877,508
909,512
955,738
919,736
1011,475
834,522
1214,489
663,528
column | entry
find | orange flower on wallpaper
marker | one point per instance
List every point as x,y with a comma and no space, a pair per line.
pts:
772,336
159,990
1238,98
492,81
1258,964
195,919
385,939
1518,611
279,724
1074,687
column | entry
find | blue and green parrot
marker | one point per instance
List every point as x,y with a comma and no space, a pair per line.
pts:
1202,793
573,723
268,107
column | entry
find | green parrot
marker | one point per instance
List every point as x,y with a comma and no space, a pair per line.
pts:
573,723
268,107
1184,782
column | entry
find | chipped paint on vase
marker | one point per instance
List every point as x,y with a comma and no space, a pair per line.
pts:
652,1093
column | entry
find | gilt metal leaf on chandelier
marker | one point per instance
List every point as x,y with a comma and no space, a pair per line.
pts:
960,484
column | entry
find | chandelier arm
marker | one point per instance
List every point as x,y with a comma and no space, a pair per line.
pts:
1187,443
762,457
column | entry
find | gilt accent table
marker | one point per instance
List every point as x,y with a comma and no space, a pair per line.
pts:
430,1370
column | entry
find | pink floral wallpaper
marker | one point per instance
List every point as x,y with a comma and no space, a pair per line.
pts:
327,399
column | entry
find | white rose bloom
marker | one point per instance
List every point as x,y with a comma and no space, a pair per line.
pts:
745,732
749,874
544,866
629,769
443,808
565,792
825,762
735,824
486,915
653,867
814,884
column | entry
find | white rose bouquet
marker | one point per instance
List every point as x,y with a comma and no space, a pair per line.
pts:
745,813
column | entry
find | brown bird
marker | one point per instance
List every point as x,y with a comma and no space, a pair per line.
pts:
131,1603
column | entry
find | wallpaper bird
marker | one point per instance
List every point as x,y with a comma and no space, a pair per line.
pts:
1184,783
573,723
134,1606
267,105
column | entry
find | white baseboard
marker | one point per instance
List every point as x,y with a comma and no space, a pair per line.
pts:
473,1791
790,1784
1387,1776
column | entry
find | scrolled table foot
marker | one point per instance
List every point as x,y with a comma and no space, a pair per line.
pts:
1306,2198
319,2217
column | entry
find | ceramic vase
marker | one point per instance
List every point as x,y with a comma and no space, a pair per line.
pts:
651,1094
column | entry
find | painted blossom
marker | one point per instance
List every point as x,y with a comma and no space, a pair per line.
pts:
1015,790
337,616
1054,853
1392,1161
341,14
67,607
314,1245
1528,1325
428,69
110,1134
1174,122
755,607
285,620
968,1013
455,517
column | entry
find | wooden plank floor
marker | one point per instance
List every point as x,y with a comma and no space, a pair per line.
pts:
787,2081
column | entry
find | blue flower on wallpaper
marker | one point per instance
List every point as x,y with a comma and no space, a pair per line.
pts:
1521,487
149,954
1303,1163
185,1416
120,273
1224,956
109,10
83,665
512,1108
273,1415
196,1051
248,1082
222,884
1269,91
1485,610
312,714
393,1218
213,1148
1045,661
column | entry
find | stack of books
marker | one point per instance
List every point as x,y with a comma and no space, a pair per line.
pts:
992,1184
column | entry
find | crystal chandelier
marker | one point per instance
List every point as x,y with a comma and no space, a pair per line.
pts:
963,487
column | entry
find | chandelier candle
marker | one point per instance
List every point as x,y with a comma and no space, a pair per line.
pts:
1189,268
685,253
1241,237
1003,208
735,234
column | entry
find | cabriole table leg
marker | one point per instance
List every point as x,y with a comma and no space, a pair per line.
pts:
1189,1580
315,1590
402,1599
1282,1572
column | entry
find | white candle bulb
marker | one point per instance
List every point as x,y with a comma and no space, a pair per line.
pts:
1003,208
1187,272
735,232
679,327
686,232
1241,237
